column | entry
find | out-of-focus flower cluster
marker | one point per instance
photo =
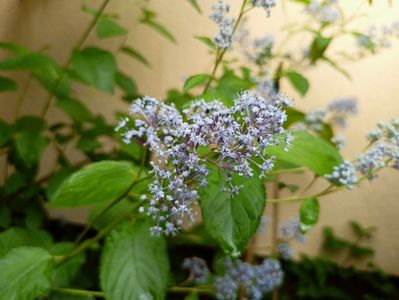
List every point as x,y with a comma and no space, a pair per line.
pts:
336,113
238,136
255,280
324,11
382,152
198,269
375,38
226,25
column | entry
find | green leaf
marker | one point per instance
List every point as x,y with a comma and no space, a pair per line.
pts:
206,41
26,61
96,67
7,84
5,216
134,265
5,133
232,219
309,151
29,146
56,181
30,124
192,296
148,19
337,67
66,272
318,48
98,182
18,49
108,28
365,41
127,85
135,54
75,109
112,213
299,82
194,81
26,274
18,237
194,4
309,213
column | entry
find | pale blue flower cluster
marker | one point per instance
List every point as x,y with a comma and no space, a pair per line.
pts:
226,24
383,152
324,11
379,37
266,4
291,229
344,174
255,280
339,141
336,113
238,136
285,250
198,269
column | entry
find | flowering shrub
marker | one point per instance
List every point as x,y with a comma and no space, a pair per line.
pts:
203,155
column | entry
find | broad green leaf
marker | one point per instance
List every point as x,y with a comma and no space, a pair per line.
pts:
206,41
134,264
75,109
107,28
5,133
30,124
26,273
34,215
298,81
232,219
15,48
127,85
149,20
56,181
65,273
54,79
309,213
88,144
318,48
98,182
29,146
194,3
195,81
309,151
18,237
135,54
7,84
26,61
96,67
115,211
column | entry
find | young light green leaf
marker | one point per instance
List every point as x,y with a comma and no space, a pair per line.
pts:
15,48
135,54
298,81
26,273
309,151
96,67
318,48
148,19
194,81
99,182
134,265
7,84
26,61
194,3
232,219
29,146
108,28
206,41
18,237
309,213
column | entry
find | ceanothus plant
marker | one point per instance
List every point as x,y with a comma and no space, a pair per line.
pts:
196,169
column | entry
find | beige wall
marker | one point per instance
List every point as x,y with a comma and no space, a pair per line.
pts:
57,25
